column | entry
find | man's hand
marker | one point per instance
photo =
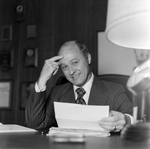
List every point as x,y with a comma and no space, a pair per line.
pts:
115,122
50,68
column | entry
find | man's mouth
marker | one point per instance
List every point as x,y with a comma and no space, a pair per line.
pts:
75,77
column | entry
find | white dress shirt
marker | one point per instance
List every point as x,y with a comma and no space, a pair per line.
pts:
87,88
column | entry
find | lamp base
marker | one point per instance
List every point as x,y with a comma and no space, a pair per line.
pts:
137,132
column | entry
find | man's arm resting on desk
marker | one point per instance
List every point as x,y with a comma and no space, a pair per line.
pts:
35,111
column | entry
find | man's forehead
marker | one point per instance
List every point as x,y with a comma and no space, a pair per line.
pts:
68,49
69,56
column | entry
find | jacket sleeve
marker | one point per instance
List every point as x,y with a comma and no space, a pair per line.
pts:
120,101
39,111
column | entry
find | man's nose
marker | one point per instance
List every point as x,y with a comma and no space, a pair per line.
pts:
71,70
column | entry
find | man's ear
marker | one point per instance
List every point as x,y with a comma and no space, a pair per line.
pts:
89,58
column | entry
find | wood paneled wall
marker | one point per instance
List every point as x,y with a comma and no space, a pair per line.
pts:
57,21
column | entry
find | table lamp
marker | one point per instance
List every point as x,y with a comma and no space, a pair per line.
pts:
128,25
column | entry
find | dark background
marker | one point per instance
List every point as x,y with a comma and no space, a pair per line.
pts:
56,21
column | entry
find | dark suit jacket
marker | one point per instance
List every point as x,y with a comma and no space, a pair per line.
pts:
39,112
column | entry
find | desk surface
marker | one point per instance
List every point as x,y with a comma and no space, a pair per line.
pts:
39,141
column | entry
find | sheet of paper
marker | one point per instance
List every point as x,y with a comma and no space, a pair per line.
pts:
76,116
9,128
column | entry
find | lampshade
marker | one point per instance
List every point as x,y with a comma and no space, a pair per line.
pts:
128,23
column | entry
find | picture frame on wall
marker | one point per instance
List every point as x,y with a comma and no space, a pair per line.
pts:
31,57
26,88
6,59
31,31
5,94
7,33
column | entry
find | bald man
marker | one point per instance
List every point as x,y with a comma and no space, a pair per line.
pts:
75,60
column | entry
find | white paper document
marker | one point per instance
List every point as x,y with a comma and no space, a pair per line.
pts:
11,128
77,116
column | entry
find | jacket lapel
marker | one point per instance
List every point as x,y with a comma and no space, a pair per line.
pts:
68,94
98,95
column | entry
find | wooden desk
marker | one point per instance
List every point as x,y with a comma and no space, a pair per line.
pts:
38,141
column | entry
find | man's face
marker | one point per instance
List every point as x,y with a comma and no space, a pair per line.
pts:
74,65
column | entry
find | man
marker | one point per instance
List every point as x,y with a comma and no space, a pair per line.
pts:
75,60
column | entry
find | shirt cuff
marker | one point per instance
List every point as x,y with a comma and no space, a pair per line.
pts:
129,117
37,89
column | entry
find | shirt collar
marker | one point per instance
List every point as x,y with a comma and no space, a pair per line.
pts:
87,86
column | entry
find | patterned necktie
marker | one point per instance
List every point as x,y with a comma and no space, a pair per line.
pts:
80,93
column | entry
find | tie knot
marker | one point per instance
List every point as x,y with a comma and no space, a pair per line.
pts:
80,91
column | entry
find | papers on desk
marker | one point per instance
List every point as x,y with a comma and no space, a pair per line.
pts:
11,128
76,119
77,133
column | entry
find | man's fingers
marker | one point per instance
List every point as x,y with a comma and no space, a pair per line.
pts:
55,71
109,119
111,126
54,62
55,58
